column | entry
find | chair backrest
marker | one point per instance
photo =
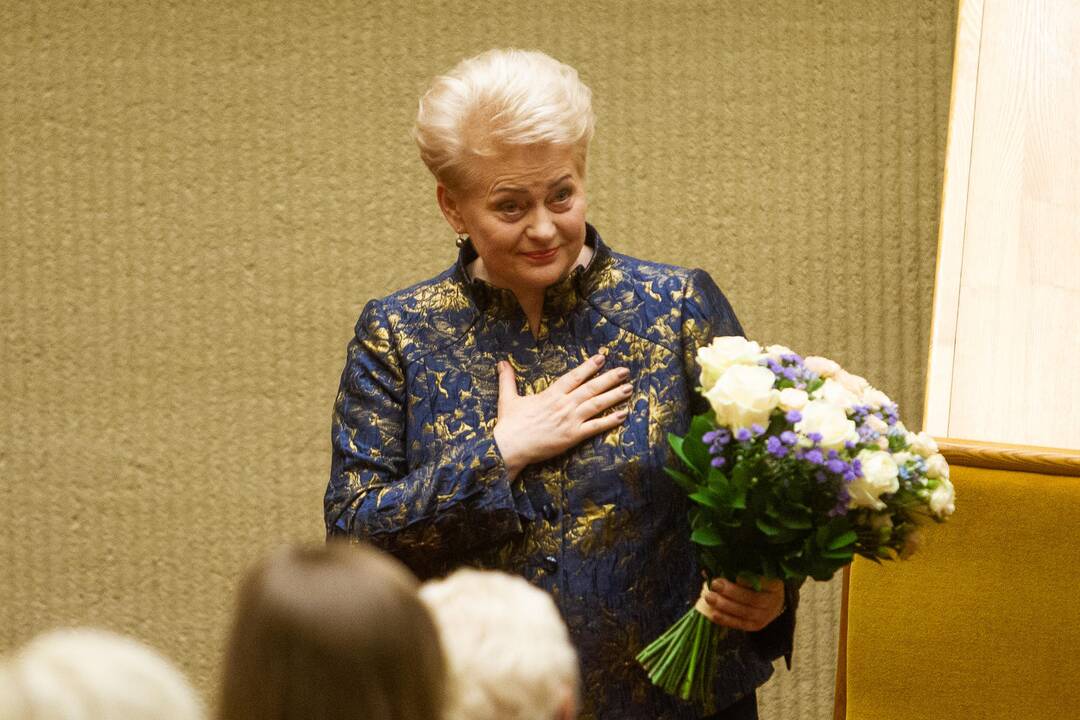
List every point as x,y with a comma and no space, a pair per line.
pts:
984,621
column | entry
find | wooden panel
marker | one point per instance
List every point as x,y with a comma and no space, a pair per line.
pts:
1015,338
1018,458
953,217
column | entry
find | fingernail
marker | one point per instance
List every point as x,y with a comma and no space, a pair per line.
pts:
624,372
598,359
622,413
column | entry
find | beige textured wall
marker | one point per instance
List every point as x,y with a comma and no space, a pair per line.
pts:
197,198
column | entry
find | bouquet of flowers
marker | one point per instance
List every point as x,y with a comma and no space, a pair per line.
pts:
798,467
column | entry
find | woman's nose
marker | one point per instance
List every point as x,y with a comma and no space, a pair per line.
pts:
542,225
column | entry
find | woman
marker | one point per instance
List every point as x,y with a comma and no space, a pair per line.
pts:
90,674
334,632
512,411
507,648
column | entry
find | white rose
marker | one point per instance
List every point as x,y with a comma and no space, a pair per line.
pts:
829,421
922,444
936,467
943,498
902,458
877,424
743,395
883,443
793,399
879,476
724,352
822,366
778,351
837,394
875,398
854,383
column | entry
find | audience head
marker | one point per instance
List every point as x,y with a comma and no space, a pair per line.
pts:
507,648
84,674
332,631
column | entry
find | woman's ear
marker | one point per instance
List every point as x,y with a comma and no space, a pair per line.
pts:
450,210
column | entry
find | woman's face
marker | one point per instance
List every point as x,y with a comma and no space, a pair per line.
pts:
525,212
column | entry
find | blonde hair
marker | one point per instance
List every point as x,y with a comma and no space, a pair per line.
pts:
498,98
85,674
508,650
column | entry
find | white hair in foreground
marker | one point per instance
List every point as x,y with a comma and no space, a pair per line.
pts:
501,97
85,674
507,647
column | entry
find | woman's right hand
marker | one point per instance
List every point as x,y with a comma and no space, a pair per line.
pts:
531,428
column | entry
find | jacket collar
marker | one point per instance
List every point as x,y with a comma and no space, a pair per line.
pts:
560,297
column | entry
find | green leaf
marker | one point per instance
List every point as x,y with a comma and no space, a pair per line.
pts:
842,541
694,448
845,555
684,481
709,499
717,481
767,528
789,572
707,536
678,445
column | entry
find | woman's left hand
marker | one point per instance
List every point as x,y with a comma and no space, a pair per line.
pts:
739,606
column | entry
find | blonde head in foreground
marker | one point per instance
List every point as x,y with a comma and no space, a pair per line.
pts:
508,649
86,674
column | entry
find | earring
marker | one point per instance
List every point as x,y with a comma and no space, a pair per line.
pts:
462,238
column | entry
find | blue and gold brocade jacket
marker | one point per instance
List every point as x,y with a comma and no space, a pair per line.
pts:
416,470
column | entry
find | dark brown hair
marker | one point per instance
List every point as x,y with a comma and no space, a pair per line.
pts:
334,631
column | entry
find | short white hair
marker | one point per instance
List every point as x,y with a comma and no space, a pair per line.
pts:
85,674
497,98
506,645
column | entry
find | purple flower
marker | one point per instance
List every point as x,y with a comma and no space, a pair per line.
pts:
814,457
775,447
842,500
791,358
814,437
836,466
723,436
742,435
709,438
850,445
776,368
757,429
788,438
718,461
793,416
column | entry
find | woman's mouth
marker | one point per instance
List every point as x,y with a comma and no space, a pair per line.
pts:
542,256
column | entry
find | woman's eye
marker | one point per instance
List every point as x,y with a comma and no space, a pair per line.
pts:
509,208
563,195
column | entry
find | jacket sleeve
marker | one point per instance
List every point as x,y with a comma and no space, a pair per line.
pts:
707,314
426,515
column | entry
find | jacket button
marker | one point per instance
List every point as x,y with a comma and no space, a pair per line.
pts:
551,513
551,563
